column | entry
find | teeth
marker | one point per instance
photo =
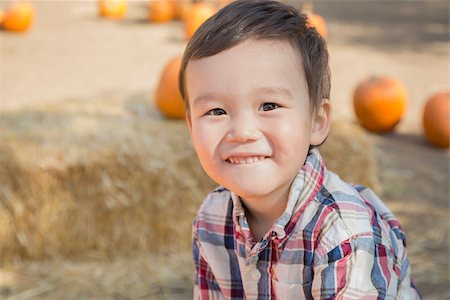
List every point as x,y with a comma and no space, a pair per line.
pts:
245,160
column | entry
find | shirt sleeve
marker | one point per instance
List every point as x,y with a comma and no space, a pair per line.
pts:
407,289
205,285
360,269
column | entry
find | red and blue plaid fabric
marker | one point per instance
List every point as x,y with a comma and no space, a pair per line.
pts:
333,241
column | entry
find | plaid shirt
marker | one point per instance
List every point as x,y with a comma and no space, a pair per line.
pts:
333,241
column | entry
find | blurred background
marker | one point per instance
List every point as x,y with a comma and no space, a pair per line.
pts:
99,182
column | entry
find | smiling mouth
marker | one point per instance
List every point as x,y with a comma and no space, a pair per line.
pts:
239,160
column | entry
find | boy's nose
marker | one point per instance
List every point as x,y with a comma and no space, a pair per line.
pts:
243,130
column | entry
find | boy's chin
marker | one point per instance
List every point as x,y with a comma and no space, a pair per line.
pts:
252,191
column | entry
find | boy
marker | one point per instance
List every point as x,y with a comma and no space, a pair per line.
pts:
256,83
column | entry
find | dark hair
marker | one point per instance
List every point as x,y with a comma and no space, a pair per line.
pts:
262,19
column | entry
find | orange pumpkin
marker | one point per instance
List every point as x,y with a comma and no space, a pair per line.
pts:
19,17
380,103
167,97
113,9
198,14
161,11
2,16
314,20
181,8
317,22
436,119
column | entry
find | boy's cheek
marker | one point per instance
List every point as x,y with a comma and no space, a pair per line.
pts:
202,139
199,136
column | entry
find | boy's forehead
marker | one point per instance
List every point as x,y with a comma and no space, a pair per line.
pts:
255,60
256,68
269,48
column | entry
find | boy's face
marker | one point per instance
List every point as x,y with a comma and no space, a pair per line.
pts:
250,118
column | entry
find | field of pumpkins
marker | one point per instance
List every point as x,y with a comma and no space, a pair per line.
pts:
84,77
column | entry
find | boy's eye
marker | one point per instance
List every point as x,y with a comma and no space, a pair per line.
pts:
269,106
216,112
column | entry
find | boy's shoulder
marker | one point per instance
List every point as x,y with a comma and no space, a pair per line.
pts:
357,210
352,198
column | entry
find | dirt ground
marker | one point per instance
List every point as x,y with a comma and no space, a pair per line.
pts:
72,54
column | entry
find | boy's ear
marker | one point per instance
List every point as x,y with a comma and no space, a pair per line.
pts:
321,123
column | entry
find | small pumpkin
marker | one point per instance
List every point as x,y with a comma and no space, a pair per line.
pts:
161,11
436,119
380,103
2,16
19,17
197,14
317,22
314,20
181,8
167,96
113,9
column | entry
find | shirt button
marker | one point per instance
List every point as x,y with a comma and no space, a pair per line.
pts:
256,275
281,234
264,243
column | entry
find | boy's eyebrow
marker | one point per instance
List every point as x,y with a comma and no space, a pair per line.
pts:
203,98
273,91
260,91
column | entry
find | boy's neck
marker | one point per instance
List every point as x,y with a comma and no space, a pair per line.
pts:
262,213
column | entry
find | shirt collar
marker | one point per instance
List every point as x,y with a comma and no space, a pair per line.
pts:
303,189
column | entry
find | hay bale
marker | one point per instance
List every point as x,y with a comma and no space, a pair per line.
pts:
81,185
86,181
350,153
141,277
